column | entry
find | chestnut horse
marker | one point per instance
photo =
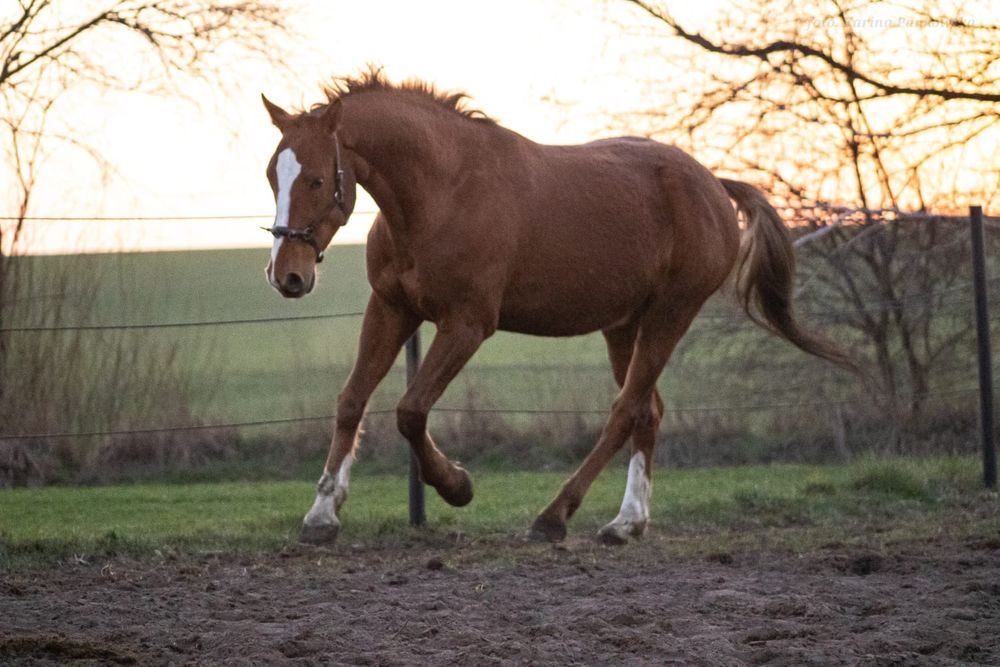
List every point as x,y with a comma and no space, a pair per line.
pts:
481,229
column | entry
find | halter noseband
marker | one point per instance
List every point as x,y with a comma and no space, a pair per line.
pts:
297,234
307,234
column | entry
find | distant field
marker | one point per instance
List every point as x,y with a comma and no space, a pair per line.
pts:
708,508
734,393
267,370
263,370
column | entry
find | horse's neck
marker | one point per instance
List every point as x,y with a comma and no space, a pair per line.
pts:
407,150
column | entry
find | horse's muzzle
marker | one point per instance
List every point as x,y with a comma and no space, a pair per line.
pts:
294,286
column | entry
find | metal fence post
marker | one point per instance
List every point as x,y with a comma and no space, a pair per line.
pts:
418,516
983,338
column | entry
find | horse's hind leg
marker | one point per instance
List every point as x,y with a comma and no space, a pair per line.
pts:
634,514
659,331
383,333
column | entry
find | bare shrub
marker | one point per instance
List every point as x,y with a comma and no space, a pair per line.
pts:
20,465
117,457
71,381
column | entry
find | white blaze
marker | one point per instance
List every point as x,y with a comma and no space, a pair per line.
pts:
287,170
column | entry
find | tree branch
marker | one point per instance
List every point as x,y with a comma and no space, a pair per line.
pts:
787,46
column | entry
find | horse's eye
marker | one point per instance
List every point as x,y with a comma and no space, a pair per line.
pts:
316,184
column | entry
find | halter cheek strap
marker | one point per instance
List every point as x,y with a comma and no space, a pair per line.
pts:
338,176
307,235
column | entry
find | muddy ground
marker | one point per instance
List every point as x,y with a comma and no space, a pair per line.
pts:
446,601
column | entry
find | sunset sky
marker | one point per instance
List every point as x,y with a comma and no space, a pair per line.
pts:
554,70
557,71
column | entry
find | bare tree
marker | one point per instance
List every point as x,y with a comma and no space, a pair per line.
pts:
52,54
49,48
857,101
852,113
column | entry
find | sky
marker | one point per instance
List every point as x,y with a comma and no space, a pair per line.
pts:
557,71
553,70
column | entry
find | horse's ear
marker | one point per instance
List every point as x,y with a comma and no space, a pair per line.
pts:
332,115
279,116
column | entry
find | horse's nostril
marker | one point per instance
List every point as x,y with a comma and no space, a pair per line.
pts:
294,283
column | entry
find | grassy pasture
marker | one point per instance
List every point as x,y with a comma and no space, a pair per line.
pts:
789,506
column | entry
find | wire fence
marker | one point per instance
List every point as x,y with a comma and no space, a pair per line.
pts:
823,314
181,325
151,218
463,410
943,298
898,214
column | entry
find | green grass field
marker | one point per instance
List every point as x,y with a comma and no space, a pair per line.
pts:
257,369
274,369
281,369
794,507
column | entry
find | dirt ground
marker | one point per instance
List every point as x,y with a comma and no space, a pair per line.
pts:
447,601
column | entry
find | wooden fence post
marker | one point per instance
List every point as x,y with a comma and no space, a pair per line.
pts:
418,516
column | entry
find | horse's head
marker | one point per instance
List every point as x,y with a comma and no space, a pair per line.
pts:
314,190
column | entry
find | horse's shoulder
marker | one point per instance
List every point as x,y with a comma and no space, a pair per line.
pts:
378,253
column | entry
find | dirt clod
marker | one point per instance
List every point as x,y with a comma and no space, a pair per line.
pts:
722,558
865,564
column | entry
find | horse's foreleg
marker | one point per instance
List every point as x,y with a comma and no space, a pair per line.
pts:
383,332
453,346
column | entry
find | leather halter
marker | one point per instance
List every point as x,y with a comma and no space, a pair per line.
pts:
297,235
307,235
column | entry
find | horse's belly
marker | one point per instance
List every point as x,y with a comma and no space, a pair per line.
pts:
538,324
582,275
563,308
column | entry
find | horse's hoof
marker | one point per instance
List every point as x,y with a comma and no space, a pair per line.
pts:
319,535
612,536
547,530
460,494
617,534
